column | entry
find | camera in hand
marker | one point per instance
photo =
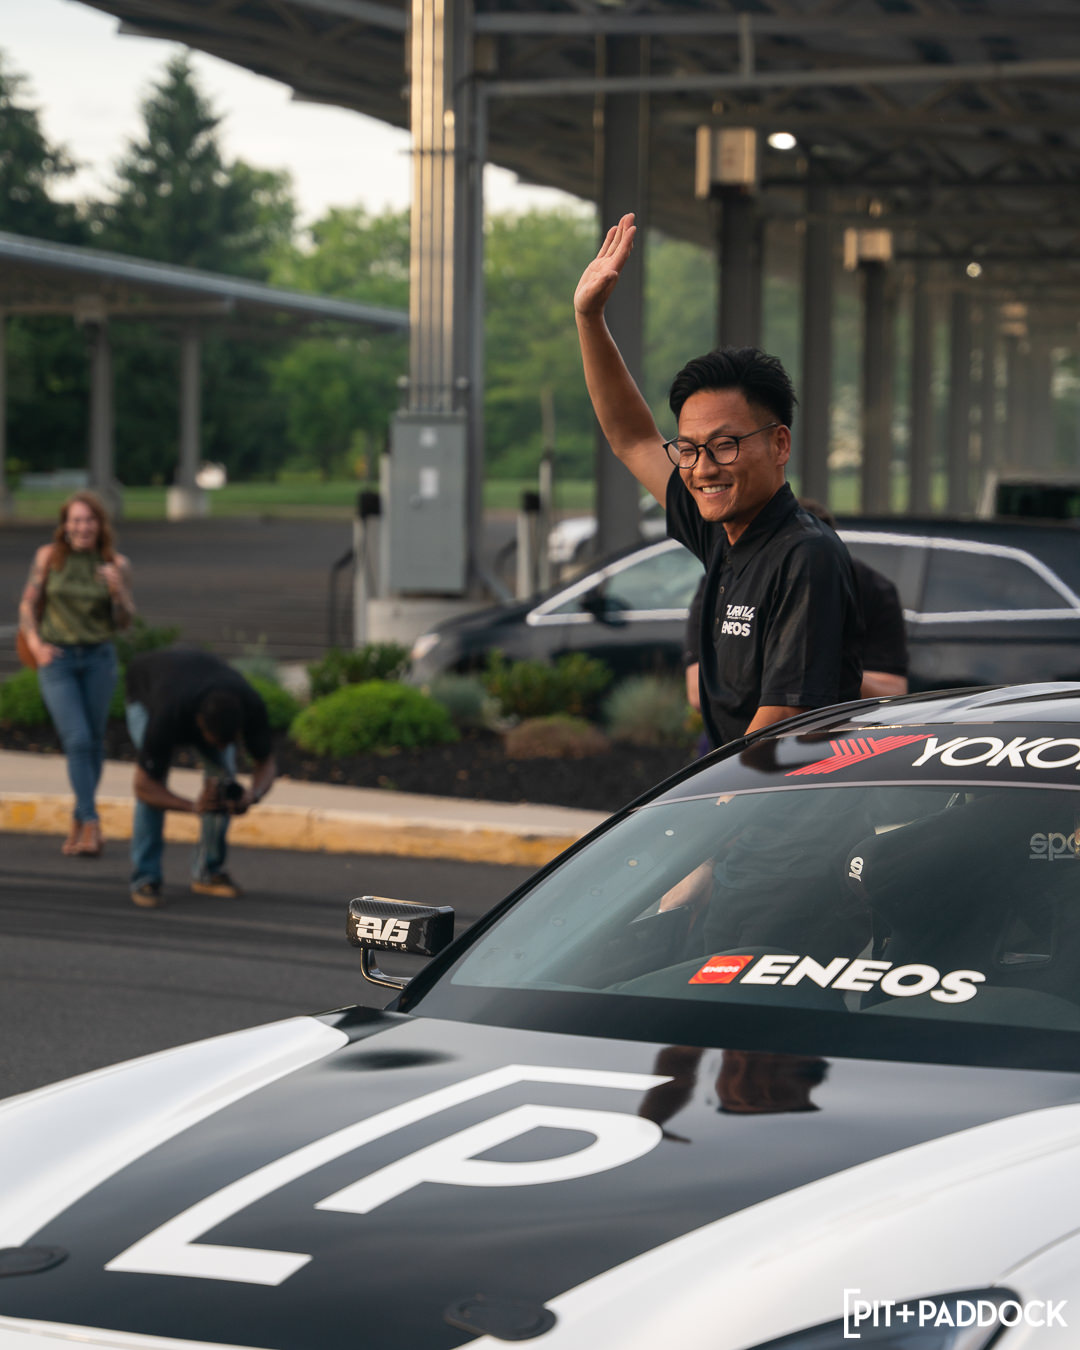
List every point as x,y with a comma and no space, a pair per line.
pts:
231,790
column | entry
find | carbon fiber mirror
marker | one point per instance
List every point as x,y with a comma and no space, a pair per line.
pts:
375,923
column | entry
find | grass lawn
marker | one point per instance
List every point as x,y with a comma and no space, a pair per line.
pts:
308,496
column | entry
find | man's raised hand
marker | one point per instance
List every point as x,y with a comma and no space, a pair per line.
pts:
599,278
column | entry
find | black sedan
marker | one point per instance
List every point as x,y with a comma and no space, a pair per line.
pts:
984,603
784,1055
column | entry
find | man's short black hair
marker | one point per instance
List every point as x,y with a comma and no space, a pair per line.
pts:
222,714
759,377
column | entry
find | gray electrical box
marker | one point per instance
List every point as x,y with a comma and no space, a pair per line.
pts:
426,518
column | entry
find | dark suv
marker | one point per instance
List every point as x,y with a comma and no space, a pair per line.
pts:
985,603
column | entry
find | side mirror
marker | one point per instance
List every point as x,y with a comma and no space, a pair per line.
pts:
375,924
600,605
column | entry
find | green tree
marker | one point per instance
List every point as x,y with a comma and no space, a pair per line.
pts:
46,357
340,391
533,262
178,200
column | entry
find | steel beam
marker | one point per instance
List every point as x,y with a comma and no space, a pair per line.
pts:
921,425
828,78
874,26
623,122
739,247
815,393
6,504
1016,405
878,317
1042,448
186,500
102,440
988,389
958,441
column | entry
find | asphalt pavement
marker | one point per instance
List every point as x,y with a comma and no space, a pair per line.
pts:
87,979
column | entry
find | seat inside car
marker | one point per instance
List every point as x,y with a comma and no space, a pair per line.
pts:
968,888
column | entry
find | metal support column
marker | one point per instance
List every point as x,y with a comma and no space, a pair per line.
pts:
624,185
7,506
186,500
921,435
989,443
1043,449
815,412
102,446
958,445
434,482
878,318
1015,399
739,241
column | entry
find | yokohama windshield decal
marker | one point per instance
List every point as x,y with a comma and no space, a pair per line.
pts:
854,751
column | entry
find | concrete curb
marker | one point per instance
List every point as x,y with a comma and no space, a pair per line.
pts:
310,829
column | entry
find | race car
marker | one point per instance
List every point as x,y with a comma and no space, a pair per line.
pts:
785,1055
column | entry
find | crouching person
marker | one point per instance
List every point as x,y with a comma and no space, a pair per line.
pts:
191,698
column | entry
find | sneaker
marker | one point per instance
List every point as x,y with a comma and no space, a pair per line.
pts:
217,883
147,895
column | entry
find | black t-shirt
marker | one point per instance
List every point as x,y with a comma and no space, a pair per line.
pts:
885,637
884,643
170,685
780,622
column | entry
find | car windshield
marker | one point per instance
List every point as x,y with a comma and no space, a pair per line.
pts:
941,909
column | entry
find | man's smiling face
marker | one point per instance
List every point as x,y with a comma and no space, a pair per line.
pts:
734,493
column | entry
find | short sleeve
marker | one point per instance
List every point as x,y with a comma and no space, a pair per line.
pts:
684,521
155,753
810,623
692,638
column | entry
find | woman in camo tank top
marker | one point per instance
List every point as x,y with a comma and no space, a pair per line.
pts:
77,597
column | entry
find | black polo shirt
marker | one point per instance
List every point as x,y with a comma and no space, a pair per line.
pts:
779,619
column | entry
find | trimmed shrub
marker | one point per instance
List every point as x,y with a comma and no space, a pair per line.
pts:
377,715
555,737
281,707
465,698
21,704
374,661
142,637
572,685
649,710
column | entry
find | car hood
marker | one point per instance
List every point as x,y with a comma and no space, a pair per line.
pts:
373,1180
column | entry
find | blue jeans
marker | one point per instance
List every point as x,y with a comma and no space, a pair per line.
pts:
77,686
148,829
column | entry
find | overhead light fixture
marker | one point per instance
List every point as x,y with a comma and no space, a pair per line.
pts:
974,270
782,140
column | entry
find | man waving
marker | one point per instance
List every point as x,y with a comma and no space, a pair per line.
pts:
779,624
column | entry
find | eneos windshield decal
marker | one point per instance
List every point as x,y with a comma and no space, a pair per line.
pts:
853,976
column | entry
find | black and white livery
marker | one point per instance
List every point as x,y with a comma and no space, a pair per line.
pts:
786,1054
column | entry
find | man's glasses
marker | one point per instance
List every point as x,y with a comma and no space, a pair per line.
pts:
721,449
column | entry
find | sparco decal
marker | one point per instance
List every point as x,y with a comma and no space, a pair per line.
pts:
853,751
858,976
1036,752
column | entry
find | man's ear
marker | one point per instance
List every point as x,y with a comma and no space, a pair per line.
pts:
782,445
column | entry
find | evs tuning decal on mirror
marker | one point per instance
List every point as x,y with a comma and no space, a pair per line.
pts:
857,976
854,751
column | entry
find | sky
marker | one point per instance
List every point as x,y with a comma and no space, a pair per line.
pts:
87,83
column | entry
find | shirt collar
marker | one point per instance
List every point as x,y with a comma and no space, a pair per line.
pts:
780,507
